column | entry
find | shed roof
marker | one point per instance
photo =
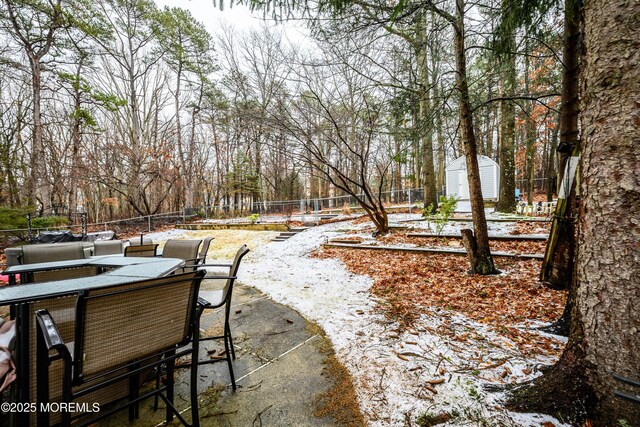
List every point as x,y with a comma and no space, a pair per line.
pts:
460,163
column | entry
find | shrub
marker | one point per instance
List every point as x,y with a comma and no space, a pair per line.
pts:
49,221
446,208
253,218
13,218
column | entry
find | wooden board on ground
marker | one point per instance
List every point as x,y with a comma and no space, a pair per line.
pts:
541,237
430,250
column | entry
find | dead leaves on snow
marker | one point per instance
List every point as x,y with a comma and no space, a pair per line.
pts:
407,284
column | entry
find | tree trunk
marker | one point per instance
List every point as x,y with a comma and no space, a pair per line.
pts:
551,182
471,247
39,189
507,149
608,267
559,271
605,322
426,126
76,140
530,131
484,259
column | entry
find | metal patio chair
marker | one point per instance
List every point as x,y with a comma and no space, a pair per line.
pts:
119,333
107,247
140,241
202,255
209,300
146,250
183,249
35,254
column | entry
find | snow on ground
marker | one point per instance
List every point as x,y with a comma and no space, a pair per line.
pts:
390,369
163,236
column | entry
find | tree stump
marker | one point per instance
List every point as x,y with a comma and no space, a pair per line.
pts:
470,245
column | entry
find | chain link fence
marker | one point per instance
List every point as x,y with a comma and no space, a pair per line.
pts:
244,211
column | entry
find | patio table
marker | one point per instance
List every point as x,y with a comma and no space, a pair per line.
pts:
123,270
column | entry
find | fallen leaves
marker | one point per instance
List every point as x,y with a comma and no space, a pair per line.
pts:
407,284
521,247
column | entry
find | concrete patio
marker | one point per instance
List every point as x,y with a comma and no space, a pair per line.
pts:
279,369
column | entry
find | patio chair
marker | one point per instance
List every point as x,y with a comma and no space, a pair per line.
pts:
136,241
35,254
214,299
148,250
120,333
107,247
202,255
183,249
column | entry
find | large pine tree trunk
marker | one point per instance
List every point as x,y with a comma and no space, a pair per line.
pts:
507,150
606,319
608,265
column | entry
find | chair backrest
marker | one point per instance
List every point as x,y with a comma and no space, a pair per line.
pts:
133,321
182,249
107,247
233,270
202,255
141,250
136,241
33,254
63,274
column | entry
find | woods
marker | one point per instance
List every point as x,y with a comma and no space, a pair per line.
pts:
143,111
119,108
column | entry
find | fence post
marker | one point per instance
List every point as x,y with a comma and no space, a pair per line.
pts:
184,215
83,220
410,201
30,232
149,223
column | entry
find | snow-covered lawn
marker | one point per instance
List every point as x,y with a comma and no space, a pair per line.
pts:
438,367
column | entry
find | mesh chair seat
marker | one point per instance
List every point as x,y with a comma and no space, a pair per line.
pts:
211,299
137,242
204,249
34,254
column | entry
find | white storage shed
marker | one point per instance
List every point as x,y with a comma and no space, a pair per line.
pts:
458,185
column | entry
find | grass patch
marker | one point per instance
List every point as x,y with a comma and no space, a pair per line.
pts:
339,401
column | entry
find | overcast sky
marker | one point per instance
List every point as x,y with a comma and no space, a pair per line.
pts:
237,16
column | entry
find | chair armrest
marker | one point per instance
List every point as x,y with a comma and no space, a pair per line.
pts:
49,331
203,302
214,265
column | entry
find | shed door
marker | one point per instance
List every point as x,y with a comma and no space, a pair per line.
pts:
463,186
